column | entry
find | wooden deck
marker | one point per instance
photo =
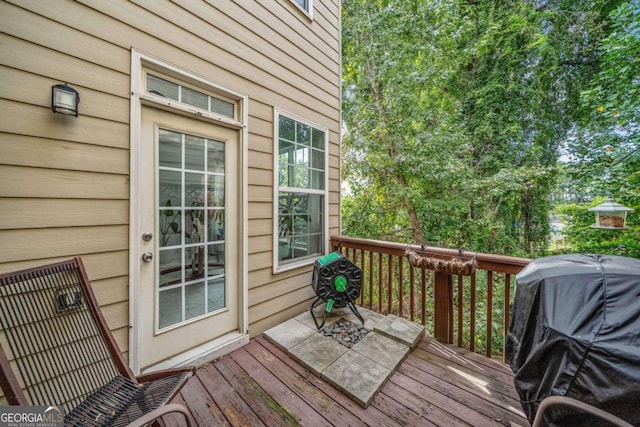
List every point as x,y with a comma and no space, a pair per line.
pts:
437,385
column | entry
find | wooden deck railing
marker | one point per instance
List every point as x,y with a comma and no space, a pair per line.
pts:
471,312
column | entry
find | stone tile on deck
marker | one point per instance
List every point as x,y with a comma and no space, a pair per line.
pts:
318,352
384,351
401,330
358,376
289,334
359,371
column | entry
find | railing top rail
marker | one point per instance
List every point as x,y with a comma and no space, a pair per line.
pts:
492,262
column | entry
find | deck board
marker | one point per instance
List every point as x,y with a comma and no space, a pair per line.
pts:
437,385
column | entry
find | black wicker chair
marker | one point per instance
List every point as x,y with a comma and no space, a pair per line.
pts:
57,350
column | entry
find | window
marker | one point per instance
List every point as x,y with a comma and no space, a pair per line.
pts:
301,174
305,5
168,89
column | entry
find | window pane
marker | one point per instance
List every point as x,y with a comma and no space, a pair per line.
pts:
194,300
170,267
303,4
303,134
170,149
170,223
170,188
299,225
194,153
215,156
222,107
215,300
216,224
317,180
215,191
287,128
215,256
318,139
317,159
195,98
301,176
170,307
162,87
194,226
194,189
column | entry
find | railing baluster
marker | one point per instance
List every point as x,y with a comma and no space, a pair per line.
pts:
507,298
370,280
487,350
380,282
423,297
472,316
411,294
400,287
460,311
389,290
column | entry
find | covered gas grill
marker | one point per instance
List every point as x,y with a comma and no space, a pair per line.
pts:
575,332
337,281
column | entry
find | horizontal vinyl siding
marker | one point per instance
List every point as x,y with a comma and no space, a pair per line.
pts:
74,199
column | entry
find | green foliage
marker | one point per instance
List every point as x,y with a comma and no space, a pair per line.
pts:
605,150
454,112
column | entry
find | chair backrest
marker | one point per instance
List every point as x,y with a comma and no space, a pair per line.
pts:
56,347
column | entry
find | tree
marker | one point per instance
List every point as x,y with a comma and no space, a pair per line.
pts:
605,150
454,112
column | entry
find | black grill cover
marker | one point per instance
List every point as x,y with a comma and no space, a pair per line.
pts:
575,331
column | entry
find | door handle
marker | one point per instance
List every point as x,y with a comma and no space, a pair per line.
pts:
147,236
147,256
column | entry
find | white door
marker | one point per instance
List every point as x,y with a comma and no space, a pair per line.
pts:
188,201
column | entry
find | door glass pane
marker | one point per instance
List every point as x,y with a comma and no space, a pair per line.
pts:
215,254
216,291
215,191
170,309
170,267
195,300
170,189
170,148
194,153
194,190
191,219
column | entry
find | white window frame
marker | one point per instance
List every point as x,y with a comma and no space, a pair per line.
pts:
279,267
308,12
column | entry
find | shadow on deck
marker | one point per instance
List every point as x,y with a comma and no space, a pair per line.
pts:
436,385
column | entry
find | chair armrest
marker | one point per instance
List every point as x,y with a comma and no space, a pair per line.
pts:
156,375
163,410
567,401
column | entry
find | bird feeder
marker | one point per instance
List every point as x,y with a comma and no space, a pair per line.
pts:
610,215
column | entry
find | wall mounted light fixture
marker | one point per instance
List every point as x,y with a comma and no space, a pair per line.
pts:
64,100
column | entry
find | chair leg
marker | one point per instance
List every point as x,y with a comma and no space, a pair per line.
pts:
163,410
567,401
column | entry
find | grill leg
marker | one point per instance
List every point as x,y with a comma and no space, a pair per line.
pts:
324,317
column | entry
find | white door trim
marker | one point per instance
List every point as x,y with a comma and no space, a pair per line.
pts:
226,343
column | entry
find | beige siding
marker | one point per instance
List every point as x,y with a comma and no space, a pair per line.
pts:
64,182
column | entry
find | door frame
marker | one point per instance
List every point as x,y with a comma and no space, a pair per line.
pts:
141,61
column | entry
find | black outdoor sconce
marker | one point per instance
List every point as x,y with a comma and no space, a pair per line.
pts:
65,100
